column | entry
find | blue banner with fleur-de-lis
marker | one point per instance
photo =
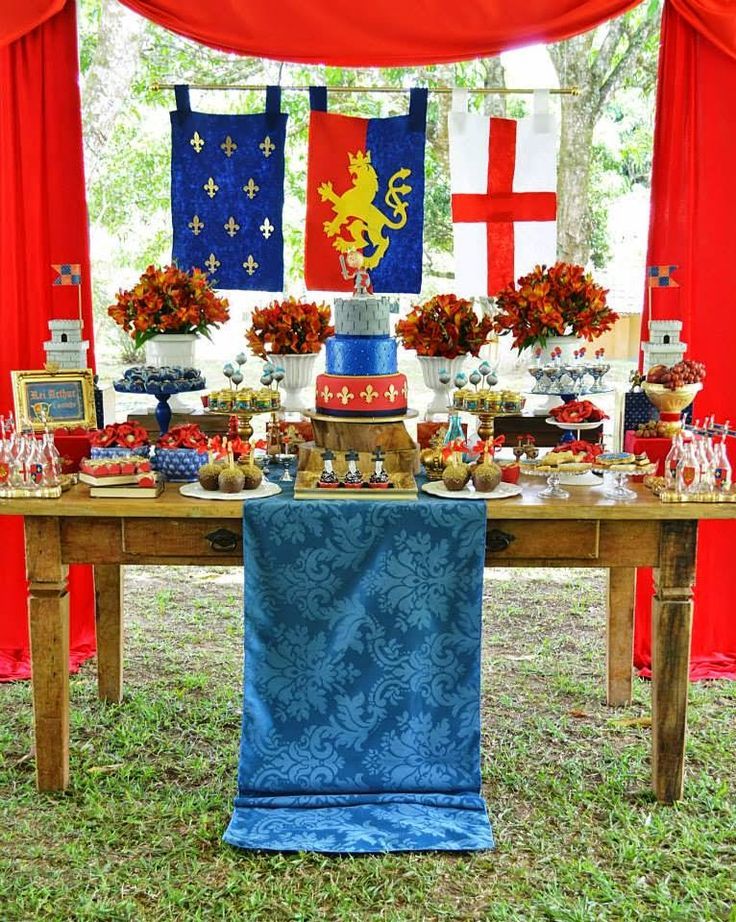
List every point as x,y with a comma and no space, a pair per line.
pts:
361,719
227,193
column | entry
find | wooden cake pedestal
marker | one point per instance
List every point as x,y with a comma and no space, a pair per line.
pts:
364,435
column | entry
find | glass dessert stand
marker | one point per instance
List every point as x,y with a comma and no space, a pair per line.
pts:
615,482
588,479
566,396
553,490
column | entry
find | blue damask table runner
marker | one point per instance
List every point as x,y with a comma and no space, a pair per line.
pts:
361,717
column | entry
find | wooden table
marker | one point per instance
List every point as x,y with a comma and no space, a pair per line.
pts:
585,531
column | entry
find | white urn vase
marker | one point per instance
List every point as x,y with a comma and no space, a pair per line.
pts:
299,374
171,349
431,366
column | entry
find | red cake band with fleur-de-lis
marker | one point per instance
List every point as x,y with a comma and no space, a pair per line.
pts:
362,395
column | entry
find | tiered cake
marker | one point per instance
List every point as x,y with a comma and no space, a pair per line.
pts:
362,377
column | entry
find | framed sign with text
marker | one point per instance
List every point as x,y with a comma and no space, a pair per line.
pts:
59,398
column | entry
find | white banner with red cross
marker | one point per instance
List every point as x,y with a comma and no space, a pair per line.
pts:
504,202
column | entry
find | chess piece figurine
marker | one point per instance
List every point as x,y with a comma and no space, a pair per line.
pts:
351,267
328,478
353,478
379,478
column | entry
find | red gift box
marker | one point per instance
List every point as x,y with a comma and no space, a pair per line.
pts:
72,445
655,449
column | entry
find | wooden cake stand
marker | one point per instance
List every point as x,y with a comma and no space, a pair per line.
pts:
362,434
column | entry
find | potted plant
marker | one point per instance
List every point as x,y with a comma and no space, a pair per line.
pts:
551,307
166,311
294,332
443,331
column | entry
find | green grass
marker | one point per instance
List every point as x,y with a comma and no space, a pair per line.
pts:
580,837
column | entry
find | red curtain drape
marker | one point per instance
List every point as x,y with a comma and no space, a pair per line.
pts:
43,215
692,226
377,34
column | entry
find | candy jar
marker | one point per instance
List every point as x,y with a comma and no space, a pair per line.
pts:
688,471
51,461
722,474
672,462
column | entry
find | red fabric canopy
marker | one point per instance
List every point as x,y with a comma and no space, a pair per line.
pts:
42,184
692,226
44,221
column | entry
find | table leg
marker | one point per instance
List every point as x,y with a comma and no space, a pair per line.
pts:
672,619
48,616
109,604
620,635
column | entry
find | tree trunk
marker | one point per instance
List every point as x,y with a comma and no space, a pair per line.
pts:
573,181
107,81
495,75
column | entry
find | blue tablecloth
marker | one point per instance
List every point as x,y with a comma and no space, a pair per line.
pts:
361,718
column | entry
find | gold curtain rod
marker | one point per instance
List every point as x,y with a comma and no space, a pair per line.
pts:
485,91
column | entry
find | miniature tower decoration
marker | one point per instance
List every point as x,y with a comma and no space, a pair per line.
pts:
66,348
328,478
664,346
353,478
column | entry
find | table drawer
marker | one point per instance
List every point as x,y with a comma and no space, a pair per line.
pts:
514,539
216,538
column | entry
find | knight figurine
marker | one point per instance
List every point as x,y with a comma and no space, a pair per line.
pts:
351,267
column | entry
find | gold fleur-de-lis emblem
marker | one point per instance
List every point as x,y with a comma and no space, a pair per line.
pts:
212,262
250,265
228,146
211,187
326,394
369,394
195,225
345,396
197,142
231,226
250,189
404,390
391,393
267,228
267,146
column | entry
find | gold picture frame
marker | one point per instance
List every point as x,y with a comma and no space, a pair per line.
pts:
54,398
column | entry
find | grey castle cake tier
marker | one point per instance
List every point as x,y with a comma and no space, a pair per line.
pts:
363,316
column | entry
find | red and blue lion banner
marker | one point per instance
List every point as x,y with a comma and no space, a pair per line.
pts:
365,192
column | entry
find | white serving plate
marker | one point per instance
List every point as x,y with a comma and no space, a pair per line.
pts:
582,426
502,491
197,491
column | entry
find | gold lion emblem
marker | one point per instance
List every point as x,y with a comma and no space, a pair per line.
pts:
357,216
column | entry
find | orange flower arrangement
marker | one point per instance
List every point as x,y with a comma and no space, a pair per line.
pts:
553,302
291,327
168,300
445,326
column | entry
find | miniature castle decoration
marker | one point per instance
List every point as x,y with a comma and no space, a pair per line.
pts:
664,346
66,348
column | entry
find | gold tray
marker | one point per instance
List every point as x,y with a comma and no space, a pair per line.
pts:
405,487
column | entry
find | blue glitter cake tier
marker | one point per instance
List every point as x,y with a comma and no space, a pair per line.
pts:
361,355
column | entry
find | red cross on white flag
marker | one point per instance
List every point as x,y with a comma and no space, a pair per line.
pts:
504,202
